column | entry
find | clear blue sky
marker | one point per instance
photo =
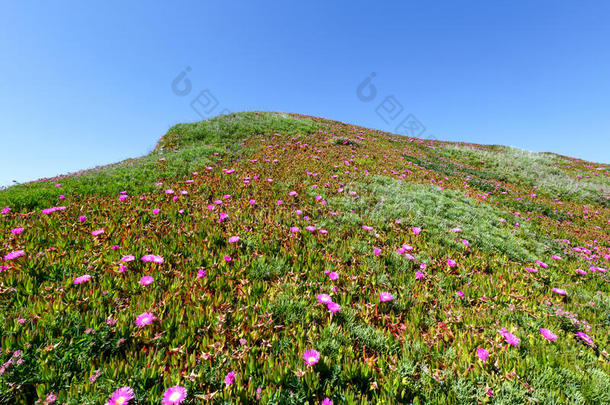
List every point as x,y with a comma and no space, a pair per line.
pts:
86,85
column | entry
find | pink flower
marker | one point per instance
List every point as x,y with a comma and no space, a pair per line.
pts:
292,193
222,216
82,218
510,338
465,242
294,229
17,231
152,258
95,375
542,264
311,357
416,230
456,230
82,279
483,354
451,262
156,211
169,191
460,294
234,239
419,275
324,298
310,228
13,255
548,334
556,257
581,272
327,401
333,276
333,307
174,395
586,338
385,296
230,378
6,210
122,396
123,197
228,259
144,319
377,251
97,232
146,280
127,258
559,291
201,273
252,202
531,270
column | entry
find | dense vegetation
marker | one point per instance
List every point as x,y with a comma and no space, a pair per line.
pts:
283,259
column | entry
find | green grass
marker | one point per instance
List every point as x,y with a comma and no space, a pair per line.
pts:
255,311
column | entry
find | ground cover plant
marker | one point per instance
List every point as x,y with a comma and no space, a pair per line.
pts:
284,259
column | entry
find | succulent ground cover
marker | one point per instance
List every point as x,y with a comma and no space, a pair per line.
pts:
283,259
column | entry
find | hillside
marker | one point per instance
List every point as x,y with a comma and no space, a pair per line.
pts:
284,259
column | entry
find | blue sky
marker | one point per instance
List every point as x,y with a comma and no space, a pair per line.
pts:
85,85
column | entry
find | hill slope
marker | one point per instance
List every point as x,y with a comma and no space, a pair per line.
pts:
416,270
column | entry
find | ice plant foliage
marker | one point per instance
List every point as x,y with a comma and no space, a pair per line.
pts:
277,258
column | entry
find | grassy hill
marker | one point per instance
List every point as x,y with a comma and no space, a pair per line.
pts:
284,259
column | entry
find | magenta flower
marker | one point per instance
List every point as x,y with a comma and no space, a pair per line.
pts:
82,218
82,279
156,211
122,396
416,230
311,357
6,210
542,264
324,298
127,258
483,354
451,262
201,273
559,291
153,258
230,378
123,197
294,229
377,251
548,334
586,338
174,395
531,270
333,275
581,272
144,319
460,294
419,275
327,401
333,307
510,338
13,255
17,231
146,280
234,239
97,232
385,296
